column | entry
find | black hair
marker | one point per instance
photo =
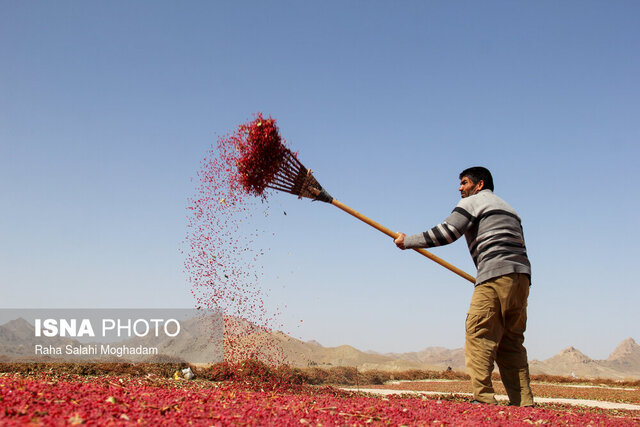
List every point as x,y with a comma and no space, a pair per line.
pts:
477,174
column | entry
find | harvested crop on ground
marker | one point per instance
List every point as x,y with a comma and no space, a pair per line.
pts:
249,393
51,400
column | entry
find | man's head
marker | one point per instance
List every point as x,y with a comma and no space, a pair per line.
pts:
475,179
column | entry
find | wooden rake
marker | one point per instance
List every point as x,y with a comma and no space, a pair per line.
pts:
292,177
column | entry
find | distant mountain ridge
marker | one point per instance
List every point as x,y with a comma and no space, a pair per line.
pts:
623,363
435,356
17,338
18,343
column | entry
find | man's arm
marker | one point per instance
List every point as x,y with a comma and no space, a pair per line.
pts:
449,231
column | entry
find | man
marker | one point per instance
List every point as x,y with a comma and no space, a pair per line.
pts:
497,315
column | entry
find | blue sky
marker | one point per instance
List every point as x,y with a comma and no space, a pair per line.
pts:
107,108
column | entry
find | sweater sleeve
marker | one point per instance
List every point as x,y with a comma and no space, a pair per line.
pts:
449,231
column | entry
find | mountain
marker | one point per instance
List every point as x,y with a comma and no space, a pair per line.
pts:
436,357
18,343
199,342
244,339
570,362
18,340
624,362
301,354
14,330
283,348
12,338
626,357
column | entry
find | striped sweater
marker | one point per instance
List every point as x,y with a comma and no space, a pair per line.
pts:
493,232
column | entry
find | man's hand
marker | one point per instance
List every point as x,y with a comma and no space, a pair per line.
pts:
399,241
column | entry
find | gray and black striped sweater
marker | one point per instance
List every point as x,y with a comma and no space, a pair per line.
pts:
493,232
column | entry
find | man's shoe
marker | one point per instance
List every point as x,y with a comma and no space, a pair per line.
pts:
523,406
477,402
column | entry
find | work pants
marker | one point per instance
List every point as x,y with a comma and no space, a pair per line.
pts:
495,326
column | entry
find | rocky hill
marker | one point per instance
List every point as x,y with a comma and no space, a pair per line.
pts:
194,344
626,357
436,357
17,338
624,362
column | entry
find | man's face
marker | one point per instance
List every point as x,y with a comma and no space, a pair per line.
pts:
468,188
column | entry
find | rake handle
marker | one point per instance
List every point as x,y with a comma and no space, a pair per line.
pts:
390,233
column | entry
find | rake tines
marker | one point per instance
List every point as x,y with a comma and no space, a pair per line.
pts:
292,177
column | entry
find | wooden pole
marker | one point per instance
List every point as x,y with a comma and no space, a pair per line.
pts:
392,234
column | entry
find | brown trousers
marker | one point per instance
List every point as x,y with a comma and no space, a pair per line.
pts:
495,326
